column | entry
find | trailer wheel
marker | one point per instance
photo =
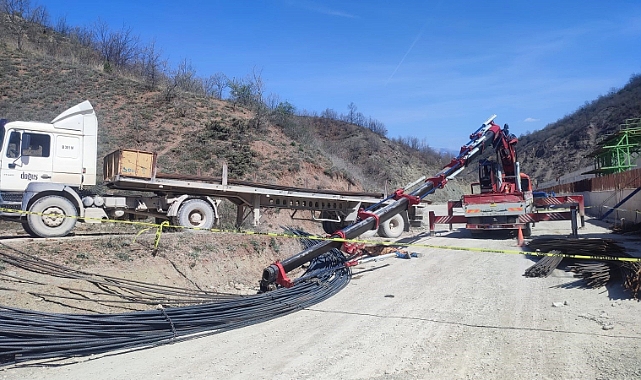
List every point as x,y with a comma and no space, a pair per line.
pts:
51,216
393,227
196,213
331,227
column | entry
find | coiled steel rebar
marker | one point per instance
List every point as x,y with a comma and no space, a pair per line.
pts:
27,335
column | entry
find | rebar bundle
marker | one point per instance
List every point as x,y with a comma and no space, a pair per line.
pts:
29,335
590,247
596,274
111,290
631,273
544,267
600,274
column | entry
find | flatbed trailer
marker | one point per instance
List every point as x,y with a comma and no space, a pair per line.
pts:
334,208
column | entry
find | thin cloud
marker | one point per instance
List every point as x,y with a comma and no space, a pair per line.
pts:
406,53
531,120
320,9
418,37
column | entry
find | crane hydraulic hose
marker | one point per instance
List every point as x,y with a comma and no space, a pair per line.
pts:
479,140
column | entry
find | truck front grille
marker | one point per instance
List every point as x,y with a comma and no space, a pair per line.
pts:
10,196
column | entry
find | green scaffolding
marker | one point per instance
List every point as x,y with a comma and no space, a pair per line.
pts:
619,151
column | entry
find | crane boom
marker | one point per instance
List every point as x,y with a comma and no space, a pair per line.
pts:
485,135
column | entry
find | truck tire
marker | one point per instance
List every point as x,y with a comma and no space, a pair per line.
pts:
393,227
28,229
196,213
331,227
51,216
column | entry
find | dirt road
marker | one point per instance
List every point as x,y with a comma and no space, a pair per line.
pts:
446,315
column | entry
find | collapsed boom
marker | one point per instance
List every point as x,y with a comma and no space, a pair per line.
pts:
479,140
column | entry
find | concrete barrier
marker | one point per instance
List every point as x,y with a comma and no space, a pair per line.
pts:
599,202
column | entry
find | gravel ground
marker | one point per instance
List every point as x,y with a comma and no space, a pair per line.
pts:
449,314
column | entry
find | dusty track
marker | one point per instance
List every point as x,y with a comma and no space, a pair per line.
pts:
449,314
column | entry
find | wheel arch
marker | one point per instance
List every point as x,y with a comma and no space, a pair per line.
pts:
175,205
37,190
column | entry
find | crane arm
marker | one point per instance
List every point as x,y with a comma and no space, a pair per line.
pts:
483,137
479,141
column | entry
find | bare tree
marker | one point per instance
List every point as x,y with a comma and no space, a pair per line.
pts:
240,92
62,26
169,89
118,48
330,114
182,79
377,127
215,85
249,92
258,85
186,79
83,35
19,14
273,101
258,97
351,115
152,64
38,15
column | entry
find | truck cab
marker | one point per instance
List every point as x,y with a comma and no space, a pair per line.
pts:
37,156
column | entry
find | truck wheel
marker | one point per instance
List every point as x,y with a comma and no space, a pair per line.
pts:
527,231
393,227
331,227
196,213
28,229
51,216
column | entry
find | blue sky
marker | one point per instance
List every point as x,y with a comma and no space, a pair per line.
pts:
429,69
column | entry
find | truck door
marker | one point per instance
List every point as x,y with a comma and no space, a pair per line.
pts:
27,158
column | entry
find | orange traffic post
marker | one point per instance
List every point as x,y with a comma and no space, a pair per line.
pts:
520,239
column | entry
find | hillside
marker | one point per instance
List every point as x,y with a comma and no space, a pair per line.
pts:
194,133
561,147
195,130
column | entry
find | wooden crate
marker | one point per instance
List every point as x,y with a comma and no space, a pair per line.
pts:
129,163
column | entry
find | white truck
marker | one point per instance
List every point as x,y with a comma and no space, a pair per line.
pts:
45,167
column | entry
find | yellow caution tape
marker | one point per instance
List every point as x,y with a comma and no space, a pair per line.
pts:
166,224
159,232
